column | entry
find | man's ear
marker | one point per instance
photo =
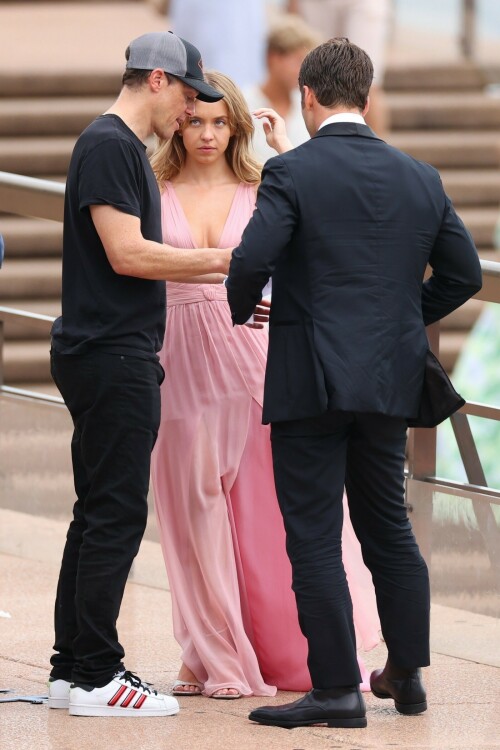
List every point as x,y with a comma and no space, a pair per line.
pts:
156,77
308,98
367,106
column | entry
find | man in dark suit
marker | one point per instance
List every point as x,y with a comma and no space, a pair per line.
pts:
346,226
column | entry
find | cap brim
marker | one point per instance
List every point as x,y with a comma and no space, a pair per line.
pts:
206,93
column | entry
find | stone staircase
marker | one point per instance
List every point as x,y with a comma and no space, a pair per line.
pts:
441,115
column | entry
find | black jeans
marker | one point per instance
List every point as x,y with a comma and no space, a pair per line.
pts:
114,402
313,460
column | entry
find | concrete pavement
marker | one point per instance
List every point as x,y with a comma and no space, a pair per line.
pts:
464,694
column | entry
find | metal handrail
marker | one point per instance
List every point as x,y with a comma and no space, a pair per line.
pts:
31,196
41,323
37,320
22,393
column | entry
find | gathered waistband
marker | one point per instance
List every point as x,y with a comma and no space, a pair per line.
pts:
184,294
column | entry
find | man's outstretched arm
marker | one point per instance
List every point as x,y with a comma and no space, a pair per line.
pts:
131,255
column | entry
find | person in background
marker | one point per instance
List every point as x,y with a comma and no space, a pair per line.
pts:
230,34
288,42
220,527
2,250
104,362
366,24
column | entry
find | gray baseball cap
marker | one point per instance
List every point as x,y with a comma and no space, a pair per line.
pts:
162,49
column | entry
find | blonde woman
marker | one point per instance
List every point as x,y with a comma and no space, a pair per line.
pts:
220,526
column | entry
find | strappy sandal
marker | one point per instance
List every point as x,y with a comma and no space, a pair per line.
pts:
226,696
187,683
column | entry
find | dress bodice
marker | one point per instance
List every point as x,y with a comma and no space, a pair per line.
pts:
177,232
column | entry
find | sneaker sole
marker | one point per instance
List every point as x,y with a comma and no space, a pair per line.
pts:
58,703
80,710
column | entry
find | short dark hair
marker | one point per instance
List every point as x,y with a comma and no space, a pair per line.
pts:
135,78
339,73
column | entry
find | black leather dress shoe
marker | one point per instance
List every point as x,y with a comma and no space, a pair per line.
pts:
407,691
337,707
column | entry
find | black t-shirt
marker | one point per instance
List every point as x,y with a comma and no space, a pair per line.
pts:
100,308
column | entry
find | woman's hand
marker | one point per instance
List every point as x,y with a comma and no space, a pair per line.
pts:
274,128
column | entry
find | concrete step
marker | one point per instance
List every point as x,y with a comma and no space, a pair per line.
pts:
464,318
26,362
473,187
460,76
36,156
481,223
62,115
50,446
35,279
60,83
443,111
451,148
49,116
31,238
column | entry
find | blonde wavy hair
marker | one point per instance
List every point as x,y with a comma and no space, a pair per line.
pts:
169,156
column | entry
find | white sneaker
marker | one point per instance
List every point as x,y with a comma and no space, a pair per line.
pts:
125,695
58,693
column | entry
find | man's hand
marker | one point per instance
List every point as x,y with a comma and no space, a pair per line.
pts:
261,314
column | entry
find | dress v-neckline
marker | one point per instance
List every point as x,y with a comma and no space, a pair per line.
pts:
180,208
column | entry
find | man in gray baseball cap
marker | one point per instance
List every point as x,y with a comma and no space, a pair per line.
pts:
104,361
174,55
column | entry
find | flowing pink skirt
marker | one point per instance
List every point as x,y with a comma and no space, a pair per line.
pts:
220,526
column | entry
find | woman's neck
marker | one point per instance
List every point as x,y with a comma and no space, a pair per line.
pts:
206,175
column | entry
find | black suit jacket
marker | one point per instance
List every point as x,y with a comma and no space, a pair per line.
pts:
346,224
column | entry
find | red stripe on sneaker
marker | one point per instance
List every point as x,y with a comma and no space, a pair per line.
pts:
116,697
140,701
128,699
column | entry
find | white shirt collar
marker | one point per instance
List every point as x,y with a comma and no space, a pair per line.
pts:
343,117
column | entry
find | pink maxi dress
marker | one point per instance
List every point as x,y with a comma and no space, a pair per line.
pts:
221,531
